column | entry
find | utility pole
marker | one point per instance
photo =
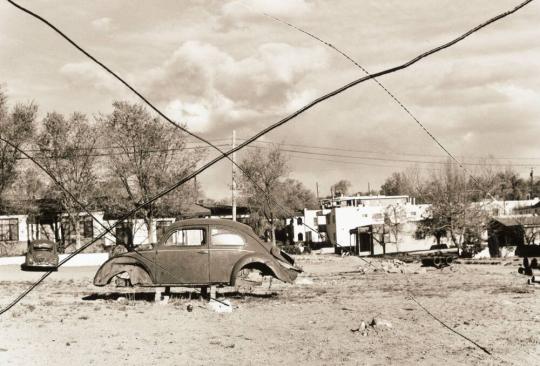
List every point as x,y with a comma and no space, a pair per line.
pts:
233,186
532,183
195,190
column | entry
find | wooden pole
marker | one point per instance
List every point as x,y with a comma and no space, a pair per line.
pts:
233,186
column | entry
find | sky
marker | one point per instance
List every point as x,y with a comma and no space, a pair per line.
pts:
219,66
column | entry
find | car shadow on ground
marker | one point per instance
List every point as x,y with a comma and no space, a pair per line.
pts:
184,295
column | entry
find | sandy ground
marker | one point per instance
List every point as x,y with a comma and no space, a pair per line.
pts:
68,321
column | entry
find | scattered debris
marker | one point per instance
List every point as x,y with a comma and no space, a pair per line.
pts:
375,323
379,322
189,308
122,300
363,326
165,300
221,306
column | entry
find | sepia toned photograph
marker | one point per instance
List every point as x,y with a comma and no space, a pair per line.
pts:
269,182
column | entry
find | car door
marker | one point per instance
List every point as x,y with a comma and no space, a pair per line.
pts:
227,246
182,258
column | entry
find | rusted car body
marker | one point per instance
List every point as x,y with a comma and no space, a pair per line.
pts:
200,252
41,256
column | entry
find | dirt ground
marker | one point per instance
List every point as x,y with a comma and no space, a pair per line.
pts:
317,321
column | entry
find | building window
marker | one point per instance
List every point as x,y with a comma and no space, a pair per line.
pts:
86,226
315,221
299,221
9,229
300,237
226,237
186,237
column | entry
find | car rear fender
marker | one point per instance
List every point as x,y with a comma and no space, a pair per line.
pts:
138,272
268,267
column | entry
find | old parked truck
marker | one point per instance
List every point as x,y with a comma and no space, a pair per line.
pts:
200,253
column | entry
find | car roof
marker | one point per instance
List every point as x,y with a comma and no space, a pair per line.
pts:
222,222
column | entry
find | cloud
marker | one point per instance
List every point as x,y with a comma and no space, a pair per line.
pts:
246,9
195,115
102,24
83,74
241,13
203,82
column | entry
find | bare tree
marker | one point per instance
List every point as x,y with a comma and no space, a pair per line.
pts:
394,218
266,169
150,155
452,211
296,197
17,127
66,149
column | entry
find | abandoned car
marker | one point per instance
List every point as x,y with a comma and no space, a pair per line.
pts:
41,256
199,252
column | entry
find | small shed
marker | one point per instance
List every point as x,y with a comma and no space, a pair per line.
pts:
512,231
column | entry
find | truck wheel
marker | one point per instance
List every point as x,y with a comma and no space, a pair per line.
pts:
437,262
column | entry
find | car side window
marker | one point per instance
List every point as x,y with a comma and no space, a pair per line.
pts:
226,237
186,237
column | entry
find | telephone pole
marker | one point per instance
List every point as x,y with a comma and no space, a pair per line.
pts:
233,186
532,183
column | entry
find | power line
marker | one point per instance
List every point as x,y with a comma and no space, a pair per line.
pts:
357,163
250,140
389,159
156,151
494,157
200,147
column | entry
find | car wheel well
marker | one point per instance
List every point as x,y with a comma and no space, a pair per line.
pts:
265,269
136,274
260,266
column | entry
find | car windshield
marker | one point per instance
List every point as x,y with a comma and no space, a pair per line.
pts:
43,246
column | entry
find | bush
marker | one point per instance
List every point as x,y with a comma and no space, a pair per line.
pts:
296,249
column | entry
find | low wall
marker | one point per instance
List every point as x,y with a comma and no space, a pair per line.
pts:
80,260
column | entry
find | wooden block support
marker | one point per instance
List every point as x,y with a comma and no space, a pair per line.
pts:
159,294
204,292
213,292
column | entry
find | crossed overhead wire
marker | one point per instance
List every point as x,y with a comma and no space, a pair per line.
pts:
248,141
